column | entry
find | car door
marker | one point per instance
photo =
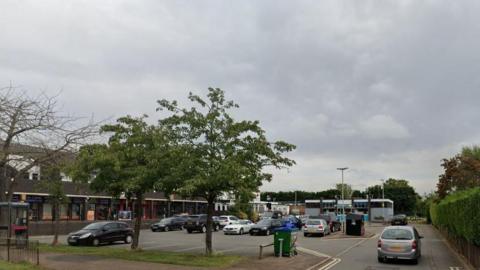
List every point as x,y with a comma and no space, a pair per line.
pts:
108,233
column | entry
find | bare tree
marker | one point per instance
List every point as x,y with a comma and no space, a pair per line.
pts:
34,133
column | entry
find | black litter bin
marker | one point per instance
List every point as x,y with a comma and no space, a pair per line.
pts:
354,225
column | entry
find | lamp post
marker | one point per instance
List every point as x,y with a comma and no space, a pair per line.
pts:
343,199
383,198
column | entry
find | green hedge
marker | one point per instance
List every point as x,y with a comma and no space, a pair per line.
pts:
459,213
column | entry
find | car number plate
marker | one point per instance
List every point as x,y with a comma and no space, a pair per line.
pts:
72,240
396,248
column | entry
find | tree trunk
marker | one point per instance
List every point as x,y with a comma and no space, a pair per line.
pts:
56,223
138,220
208,235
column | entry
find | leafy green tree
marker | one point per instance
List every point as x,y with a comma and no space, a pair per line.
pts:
400,192
347,190
461,172
224,155
135,158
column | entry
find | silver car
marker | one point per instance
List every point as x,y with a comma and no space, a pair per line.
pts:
316,226
399,242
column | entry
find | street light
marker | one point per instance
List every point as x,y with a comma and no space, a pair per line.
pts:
383,198
343,199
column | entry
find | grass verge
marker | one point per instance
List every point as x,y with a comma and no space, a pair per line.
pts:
146,256
18,266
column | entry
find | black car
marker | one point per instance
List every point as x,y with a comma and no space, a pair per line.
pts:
101,232
199,223
332,222
399,220
167,224
266,226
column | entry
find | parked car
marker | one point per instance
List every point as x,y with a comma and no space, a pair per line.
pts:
199,223
266,226
295,220
332,222
399,242
227,220
167,224
101,232
399,220
316,226
241,227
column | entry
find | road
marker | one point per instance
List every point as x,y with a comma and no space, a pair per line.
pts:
361,254
348,254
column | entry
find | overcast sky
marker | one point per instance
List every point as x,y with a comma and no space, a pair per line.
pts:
386,88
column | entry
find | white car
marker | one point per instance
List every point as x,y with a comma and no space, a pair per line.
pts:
241,227
227,220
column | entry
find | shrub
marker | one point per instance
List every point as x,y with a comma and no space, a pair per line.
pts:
459,213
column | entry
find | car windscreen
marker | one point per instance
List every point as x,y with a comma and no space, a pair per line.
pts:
264,222
397,234
223,218
314,222
165,221
94,226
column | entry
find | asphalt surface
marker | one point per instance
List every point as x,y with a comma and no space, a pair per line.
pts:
344,253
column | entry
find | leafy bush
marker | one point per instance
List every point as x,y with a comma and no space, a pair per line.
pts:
459,213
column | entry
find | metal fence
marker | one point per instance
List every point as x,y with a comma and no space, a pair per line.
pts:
470,251
19,250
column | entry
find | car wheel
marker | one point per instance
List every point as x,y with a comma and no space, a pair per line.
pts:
267,233
189,231
380,259
153,230
204,229
166,229
251,234
181,228
305,234
241,231
217,227
128,239
415,261
95,242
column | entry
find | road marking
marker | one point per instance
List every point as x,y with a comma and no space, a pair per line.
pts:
187,249
354,246
455,268
313,252
331,264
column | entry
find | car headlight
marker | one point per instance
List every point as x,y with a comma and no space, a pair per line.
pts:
264,228
83,236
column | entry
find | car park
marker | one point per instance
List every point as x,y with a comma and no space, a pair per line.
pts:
399,220
332,222
399,242
101,232
167,224
227,220
241,227
316,227
199,223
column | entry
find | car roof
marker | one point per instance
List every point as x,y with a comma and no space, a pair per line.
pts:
407,228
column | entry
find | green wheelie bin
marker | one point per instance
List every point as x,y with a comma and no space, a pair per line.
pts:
284,241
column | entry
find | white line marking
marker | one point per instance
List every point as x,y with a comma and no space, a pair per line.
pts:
354,246
313,252
330,264
187,249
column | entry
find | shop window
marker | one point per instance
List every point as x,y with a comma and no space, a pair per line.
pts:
47,211
76,211
64,211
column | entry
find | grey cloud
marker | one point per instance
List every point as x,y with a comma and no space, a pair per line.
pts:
350,83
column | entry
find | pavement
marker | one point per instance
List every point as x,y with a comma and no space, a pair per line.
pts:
322,253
